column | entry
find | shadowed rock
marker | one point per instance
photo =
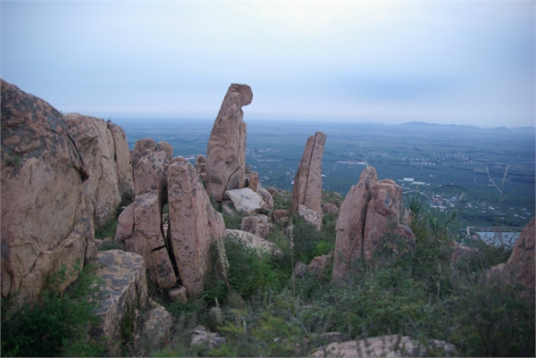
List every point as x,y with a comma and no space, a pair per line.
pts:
45,221
123,289
226,148
97,145
193,224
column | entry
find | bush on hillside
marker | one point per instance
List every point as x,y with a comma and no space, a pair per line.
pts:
56,325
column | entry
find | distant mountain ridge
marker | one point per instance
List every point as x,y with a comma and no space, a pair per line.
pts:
428,125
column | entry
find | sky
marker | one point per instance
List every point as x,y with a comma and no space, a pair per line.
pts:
449,62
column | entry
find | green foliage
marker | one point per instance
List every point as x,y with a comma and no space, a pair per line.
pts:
251,271
309,242
108,229
233,221
282,200
15,161
56,325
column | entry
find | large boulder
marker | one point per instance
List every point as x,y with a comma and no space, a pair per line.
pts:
307,188
125,224
193,224
123,289
520,264
351,224
386,346
246,200
370,212
258,225
149,173
226,148
97,145
156,328
148,240
45,221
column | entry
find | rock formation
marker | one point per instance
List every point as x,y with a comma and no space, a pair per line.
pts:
45,221
226,148
520,265
259,225
148,240
122,161
193,224
371,210
201,166
123,289
307,189
246,200
97,146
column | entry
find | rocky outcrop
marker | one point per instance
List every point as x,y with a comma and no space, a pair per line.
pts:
45,221
202,337
520,265
259,225
307,189
386,346
125,224
371,210
123,289
193,224
201,166
97,146
280,216
226,148
253,241
149,173
156,328
123,161
148,240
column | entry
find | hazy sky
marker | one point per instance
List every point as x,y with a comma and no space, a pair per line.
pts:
392,61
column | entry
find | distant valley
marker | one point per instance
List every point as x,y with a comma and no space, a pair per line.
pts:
450,164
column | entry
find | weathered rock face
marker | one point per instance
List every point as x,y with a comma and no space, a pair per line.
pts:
123,290
148,240
193,224
226,149
310,216
308,181
165,147
45,222
280,216
201,166
149,174
123,161
125,224
520,264
156,328
385,346
258,225
97,145
370,210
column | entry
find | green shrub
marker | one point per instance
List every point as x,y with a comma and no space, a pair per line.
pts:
251,270
56,325
108,229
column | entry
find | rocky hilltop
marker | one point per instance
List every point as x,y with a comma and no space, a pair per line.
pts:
65,176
